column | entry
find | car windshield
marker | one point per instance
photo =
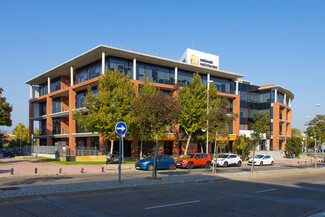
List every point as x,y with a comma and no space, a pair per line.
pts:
259,156
223,156
189,156
150,157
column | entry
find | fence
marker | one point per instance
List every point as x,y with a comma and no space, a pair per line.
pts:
87,151
43,149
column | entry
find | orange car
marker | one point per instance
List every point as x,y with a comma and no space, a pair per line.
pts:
194,160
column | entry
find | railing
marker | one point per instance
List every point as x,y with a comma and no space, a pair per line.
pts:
87,151
43,149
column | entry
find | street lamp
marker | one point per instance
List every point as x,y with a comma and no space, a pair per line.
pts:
208,87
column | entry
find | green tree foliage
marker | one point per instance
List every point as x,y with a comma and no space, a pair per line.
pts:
111,105
243,146
5,111
156,111
261,126
193,103
295,132
294,144
20,131
316,126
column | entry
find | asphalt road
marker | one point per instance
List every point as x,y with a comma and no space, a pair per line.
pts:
292,195
66,179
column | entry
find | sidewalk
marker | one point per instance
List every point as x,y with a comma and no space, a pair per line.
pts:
13,193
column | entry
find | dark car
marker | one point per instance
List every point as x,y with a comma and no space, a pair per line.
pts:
163,162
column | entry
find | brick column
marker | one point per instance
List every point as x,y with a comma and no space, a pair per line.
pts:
31,123
72,123
276,125
49,120
236,110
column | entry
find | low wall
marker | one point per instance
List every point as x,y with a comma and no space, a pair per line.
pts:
52,156
91,158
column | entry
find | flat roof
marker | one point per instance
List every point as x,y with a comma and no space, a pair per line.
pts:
279,88
96,53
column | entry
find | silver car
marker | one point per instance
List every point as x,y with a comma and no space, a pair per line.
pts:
262,159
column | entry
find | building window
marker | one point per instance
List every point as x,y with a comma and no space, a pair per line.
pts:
56,123
280,98
156,74
42,127
88,72
184,77
55,85
43,89
223,85
81,96
122,65
56,105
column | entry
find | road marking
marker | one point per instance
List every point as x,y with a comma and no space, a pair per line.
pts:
172,204
267,190
315,183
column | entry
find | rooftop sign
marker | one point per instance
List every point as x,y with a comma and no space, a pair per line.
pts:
199,58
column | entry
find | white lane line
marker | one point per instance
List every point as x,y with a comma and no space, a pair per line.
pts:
267,190
315,183
173,204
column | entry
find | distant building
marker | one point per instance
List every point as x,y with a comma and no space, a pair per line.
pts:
56,93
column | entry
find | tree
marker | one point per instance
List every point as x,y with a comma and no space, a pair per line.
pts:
295,132
294,144
243,146
20,131
261,126
111,105
219,120
316,127
156,111
5,111
193,103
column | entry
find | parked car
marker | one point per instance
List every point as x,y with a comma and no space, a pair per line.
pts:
163,162
225,160
261,160
194,160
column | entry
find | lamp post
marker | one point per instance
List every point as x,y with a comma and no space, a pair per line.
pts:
208,87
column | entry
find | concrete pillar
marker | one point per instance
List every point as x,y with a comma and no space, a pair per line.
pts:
31,92
71,76
134,69
285,99
237,90
49,85
176,74
276,95
289,102
103,63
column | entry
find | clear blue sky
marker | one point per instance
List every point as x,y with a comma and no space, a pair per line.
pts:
279,42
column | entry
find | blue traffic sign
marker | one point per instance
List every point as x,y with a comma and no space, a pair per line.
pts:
120,128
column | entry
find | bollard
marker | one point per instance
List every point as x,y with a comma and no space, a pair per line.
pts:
60,170
298,161
35,170
305,161
103,169
82,170
12,171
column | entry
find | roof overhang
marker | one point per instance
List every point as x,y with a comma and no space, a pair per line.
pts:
95,54
280,89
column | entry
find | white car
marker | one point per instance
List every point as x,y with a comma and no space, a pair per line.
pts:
262,159
225,160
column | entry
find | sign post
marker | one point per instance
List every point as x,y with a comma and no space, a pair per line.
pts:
120,129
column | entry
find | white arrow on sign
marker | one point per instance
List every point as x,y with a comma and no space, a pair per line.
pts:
121,128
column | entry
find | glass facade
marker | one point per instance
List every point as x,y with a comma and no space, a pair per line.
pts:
81,96
39,109
88,72
184,77
123,65
280,98
43,89
252,99
56,126
55,84
223,85
56,105
42,127
156,74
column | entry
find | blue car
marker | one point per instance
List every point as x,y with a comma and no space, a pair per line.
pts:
163,162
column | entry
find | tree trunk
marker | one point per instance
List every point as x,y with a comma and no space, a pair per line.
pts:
141,150
215,156
112,145
253,162
154,172
188,142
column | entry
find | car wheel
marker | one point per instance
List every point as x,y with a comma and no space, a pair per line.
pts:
190,166
150,167
172,167
261,164
272,163
239,164
208,165
225,164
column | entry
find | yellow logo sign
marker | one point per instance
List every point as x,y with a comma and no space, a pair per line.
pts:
194,60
